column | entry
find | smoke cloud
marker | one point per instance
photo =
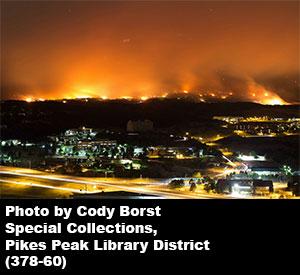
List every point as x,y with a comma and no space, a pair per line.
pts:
223,50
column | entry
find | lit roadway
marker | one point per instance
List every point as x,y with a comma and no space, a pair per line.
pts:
19,181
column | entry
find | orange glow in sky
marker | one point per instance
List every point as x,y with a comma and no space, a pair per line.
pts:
228,50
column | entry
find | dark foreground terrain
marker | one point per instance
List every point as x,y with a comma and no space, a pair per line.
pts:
34,120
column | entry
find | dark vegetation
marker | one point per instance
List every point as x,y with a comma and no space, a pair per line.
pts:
283,150
36,120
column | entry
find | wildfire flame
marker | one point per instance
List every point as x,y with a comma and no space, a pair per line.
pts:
264,96
254,92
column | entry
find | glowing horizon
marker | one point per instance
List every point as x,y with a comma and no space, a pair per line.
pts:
266,100
226,50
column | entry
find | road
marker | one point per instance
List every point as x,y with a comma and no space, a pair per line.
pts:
17,181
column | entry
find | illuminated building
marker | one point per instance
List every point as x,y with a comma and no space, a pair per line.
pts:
243,186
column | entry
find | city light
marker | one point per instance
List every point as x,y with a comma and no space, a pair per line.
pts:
177,100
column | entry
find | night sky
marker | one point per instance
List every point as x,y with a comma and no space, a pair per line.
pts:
231,50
